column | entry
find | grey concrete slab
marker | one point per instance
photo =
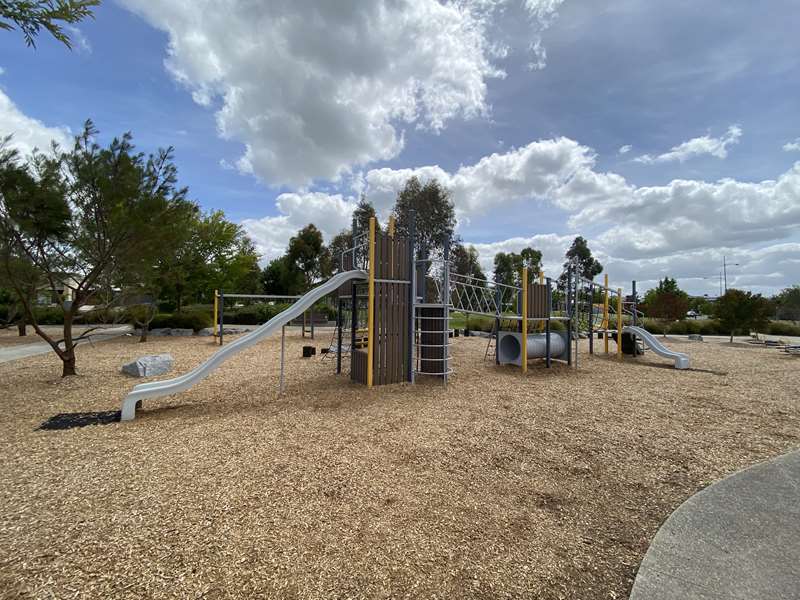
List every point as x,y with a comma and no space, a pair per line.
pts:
737,539
24,351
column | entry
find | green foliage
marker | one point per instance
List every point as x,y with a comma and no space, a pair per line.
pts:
508,265
81,216
195,320
464,261
782,328
253,314
580,255
435,215
788,304
214,253
738,310
666,301
31,16
308,256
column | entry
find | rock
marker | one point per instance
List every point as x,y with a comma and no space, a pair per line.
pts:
207,332
161,331
148,366
181,332
695,337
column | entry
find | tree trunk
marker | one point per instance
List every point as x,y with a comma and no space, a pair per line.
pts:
731,336
68,356
143,335
68,364
22,328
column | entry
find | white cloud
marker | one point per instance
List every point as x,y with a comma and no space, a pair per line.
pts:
792,146
313,88
717,147
330,213
625,149
2,71
28,133
79,41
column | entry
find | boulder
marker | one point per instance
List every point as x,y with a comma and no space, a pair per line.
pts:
181,332
160,331
695,337
148,366
207,332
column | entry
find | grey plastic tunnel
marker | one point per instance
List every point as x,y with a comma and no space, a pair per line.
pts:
509,346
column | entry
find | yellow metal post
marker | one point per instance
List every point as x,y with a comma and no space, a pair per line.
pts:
216,312
619,323
605,312
371,302
525,319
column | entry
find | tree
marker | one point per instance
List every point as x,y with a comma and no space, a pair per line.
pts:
77,215
343,240
741,311
465,261
788,304
363,212
508,266
280,278
214,254
435,215
666,302
307,253
580,256
31,16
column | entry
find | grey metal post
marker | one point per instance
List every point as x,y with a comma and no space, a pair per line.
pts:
339,323
312,322
591,316
570,316
633,291
283,356
221,315
412,293
498,292
547,323
445,309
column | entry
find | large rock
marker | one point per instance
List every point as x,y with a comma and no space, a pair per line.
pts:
181,332
148,366
160,331
695,337
206,332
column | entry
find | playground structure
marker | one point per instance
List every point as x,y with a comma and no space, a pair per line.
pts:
398,306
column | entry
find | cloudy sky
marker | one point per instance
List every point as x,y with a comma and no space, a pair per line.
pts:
667,132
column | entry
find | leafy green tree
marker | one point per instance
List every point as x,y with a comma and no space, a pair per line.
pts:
307,253
508,266
580,255
31,16
738,310
465,261
280,278
435,215
76,215
666,302
788,304
214,254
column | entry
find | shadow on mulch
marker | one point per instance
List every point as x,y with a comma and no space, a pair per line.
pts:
72,420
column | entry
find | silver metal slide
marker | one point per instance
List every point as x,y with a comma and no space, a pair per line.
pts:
156,389
681,359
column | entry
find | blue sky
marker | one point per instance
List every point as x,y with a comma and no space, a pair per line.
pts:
324,100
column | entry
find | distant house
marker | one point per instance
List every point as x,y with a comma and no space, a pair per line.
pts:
46,296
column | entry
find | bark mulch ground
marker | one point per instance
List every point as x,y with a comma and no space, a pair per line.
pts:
498,486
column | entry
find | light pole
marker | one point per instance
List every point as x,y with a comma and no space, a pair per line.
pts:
725,272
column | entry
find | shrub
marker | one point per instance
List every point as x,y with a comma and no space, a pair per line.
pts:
253,314
48,315
195,320
3,312
783,328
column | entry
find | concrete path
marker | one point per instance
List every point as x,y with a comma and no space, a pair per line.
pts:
737,539
23,351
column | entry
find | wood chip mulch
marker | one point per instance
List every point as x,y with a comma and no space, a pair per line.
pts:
498,486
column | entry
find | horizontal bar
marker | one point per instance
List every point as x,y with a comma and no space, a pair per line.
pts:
392,281
226,295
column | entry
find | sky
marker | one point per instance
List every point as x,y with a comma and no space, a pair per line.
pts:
666,132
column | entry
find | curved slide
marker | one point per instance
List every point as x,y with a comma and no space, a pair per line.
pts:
681,359
156,389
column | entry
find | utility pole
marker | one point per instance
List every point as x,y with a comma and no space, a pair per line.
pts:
725,273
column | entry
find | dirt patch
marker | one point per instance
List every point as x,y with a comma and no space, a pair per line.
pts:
498,486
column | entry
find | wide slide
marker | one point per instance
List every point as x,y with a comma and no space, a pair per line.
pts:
156,389
681,359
